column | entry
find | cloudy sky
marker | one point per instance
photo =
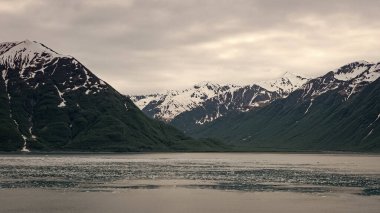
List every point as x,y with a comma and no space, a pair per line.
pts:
144,46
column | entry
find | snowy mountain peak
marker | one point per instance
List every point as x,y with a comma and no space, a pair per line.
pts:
284,85
212,100
207,101
292,76
206,84
26,54
32,47
361,62
34,63
288,75
354,70
348,79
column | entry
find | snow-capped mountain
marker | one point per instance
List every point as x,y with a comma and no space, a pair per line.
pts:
285,85
172,103
51,101
337,111
348,80
207,101
32,60
33,63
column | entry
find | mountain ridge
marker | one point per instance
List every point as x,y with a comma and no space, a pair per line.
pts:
212,100
329,112
186,113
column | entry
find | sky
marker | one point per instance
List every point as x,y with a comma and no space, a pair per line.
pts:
149,46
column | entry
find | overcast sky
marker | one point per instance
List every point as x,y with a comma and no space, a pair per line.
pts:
141,46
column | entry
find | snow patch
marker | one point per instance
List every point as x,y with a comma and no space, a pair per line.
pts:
369,133
208,119
4,74
60,94
352,91
285,85
377,118
311,103
350,75
30,132
246,138
24,149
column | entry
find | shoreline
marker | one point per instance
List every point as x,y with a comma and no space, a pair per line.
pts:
184,152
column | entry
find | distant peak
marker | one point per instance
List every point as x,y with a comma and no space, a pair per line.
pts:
205,84
362,62
359,62
34,46
347,67
31,44
27,53
28,47
352,70
290,75
27,41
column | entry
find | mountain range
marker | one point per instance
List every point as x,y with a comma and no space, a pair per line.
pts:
205,102
336,111
51,101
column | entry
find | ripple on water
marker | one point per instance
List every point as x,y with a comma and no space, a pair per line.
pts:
89,173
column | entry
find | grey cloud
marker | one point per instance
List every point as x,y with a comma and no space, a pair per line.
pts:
145,46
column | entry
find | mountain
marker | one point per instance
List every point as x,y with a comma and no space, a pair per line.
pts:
205,102
51,101
337,111
285,85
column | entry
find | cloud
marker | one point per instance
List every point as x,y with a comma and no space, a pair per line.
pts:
149,46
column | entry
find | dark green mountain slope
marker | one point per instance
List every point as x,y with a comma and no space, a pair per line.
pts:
335,119
52,102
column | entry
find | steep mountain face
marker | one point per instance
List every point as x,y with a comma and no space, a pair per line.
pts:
51,101
337,111
205,102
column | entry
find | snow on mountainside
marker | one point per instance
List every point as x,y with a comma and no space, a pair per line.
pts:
348,79
339,110
285,85
206,101
50,101
33,64
361,72
351,70
174,102
216,100
31,58
4,46
25,53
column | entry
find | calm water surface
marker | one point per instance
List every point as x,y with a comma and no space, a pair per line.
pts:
190,182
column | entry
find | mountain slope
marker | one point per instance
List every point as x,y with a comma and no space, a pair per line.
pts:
51,101
205,102
337,111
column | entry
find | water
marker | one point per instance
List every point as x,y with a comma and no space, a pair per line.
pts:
190,182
